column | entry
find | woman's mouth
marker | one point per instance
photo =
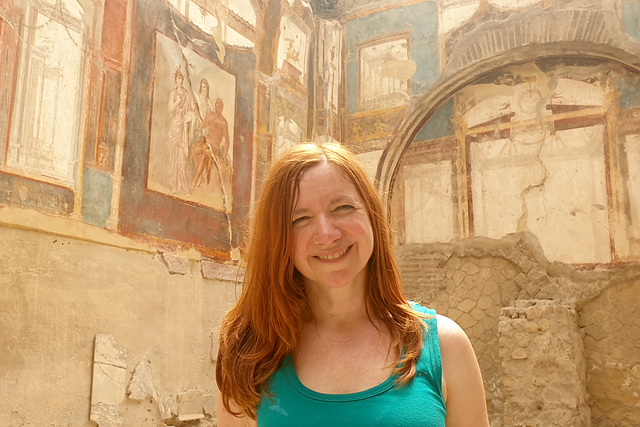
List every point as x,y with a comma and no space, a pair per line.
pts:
335,255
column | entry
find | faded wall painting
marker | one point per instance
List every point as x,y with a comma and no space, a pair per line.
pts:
390,55
45,129
418,60
534,151
292,50
385,71
287,134
330,49
187,163
190,149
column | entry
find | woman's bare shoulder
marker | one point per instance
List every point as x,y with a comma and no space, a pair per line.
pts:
462,379
449,330
455,347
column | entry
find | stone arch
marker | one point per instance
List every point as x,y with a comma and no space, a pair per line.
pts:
524,36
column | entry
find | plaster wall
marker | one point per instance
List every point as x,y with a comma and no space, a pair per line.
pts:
109,307
58,292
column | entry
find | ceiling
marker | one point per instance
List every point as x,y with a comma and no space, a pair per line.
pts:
335,9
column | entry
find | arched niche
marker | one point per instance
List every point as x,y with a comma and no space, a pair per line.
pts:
523,37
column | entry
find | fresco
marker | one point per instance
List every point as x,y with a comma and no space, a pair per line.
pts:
287,134
367,126
385,71
418,60
191,133
45,130
292,50
188,153
536,155
330,63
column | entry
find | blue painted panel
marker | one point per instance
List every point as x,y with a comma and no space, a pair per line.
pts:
421,20
96,196
439,124
631,18
629,89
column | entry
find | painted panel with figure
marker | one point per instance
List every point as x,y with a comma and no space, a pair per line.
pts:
188,157
190,154
292,50
45,130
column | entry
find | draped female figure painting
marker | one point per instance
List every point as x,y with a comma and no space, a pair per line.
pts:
181,110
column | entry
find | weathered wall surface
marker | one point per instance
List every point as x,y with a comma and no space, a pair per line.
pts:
58,293
611,341
556,346
501,158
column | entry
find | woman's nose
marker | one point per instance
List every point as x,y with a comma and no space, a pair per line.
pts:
326,231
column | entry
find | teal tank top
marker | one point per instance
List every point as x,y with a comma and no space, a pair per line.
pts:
417,403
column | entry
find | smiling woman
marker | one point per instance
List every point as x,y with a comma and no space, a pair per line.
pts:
323,333
332,231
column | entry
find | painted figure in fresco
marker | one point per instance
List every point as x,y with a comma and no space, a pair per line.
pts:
215,141
181,125
287,135
201,152
202,98
323,333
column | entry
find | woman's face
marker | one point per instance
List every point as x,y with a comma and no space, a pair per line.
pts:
331,227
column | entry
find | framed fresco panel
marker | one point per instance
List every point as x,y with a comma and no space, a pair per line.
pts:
292,50
192,125
188,154
385,71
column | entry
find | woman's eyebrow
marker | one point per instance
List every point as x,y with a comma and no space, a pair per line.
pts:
340,198
300,211
344,198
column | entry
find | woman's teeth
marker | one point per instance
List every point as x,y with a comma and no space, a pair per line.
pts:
334,256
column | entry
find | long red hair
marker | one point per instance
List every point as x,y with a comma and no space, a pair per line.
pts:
265,324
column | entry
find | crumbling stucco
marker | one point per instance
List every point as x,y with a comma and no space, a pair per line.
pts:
556,346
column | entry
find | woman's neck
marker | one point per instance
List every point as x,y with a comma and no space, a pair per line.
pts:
333,308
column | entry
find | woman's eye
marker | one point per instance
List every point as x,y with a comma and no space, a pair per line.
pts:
300,220
345,208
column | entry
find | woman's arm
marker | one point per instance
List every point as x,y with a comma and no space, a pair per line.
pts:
462,381
225,419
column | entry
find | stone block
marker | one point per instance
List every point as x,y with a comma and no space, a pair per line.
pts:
108,352
478,314
109,371
544,325
458,277
470,268
105,415
534,313
190,405
168,407
531,327
225,272
208,405
467,305
176,264
485,301
519,353
141,384
467,322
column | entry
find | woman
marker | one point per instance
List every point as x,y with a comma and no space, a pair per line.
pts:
322,334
